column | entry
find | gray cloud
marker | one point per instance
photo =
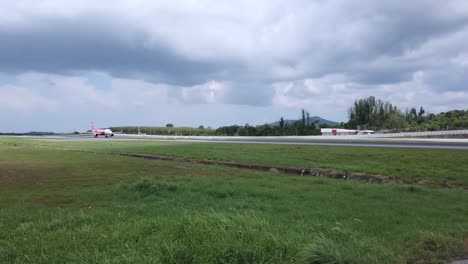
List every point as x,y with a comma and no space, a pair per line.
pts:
258,53
88,43
187,44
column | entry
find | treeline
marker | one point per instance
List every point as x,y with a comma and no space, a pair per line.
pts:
375,114
451,120
303,126
166,131
368,113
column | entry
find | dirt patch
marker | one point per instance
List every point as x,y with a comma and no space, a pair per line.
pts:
286,170
55,201
315,172
432,247
12,175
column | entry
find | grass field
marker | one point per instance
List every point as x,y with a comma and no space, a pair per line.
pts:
58,206
430,166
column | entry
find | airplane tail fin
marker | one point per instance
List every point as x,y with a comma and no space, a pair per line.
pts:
93,128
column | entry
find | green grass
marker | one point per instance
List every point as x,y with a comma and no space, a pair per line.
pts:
61,206
429,166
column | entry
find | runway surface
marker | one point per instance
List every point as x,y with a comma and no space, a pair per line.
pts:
387,144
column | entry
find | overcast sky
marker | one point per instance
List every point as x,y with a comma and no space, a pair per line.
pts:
66,63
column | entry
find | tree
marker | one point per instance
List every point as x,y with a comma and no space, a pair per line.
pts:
241,131
313,125
281,122
395,121
372,113
413,116
201,127
303,118
250,130
421,112
421,115
169,125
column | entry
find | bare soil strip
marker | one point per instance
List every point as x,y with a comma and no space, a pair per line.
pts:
379,179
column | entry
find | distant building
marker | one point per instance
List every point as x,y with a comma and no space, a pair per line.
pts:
366,132
340,131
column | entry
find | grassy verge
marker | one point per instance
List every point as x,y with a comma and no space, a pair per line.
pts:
62,206
429,166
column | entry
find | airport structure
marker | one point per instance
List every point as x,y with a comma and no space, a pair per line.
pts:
340,131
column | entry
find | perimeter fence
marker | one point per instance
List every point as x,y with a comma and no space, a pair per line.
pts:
445,133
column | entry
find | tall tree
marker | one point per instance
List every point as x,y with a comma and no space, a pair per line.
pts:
413,116
371,113
303,118
281,122
421,115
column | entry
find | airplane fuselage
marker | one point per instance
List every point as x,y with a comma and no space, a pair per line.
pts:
101,132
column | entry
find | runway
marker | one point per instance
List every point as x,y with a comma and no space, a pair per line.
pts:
387,143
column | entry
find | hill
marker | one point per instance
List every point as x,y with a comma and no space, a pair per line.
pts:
312,119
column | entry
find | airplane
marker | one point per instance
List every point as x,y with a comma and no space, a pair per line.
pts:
101,132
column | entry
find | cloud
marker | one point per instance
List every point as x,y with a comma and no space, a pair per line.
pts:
77,102
63,46
210,92
72,91
271,54
335,94
18,100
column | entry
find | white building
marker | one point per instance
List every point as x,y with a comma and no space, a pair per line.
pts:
366,132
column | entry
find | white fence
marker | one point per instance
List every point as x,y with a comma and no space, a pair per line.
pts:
327,137
409,134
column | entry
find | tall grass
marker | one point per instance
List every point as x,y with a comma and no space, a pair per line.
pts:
321,251
59,206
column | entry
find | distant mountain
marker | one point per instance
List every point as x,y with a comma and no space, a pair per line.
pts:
311,120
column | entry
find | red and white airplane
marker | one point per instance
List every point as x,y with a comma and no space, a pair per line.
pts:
101,132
